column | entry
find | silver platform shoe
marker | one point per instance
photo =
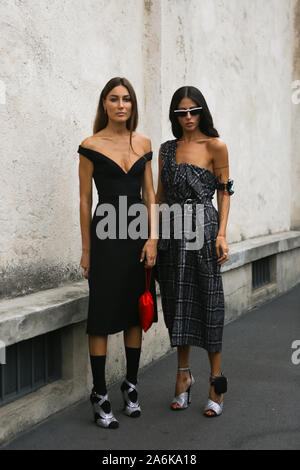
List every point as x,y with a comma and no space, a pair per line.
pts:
131,409
105,420
184,399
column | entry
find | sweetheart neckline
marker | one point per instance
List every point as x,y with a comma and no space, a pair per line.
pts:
113,161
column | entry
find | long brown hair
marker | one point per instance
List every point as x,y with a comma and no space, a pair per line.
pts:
101,119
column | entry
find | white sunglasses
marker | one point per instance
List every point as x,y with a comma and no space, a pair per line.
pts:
183,112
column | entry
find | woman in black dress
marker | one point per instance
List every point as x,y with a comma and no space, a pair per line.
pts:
114,261
191,168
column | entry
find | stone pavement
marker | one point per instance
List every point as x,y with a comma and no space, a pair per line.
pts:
261,407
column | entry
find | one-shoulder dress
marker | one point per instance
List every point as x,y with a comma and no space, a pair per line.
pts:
116,277
190,280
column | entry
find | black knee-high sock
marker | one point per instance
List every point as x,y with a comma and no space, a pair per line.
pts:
132,362
98,372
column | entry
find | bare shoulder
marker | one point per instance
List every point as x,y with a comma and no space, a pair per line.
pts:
217,146
144,141
93,140
87,142
219,153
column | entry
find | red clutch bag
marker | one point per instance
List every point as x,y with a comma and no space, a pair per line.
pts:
146,305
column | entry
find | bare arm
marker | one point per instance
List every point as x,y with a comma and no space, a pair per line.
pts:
159,197
85,172
148,196
221,170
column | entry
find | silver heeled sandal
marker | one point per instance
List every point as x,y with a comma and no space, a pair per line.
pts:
220,385
132,409
184,399
105,420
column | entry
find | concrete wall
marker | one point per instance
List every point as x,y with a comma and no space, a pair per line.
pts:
295,155
57,58
240,55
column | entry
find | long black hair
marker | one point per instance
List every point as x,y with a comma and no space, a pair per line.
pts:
206,124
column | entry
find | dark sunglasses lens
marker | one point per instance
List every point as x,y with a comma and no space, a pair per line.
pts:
181,113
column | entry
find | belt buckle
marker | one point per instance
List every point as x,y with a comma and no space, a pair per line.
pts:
191,202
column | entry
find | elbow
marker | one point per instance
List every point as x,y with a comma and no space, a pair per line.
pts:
148,197
159,198
86,202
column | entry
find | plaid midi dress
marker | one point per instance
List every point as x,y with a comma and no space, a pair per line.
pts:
190,280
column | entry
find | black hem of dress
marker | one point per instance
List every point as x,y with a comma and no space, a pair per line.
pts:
212,349
112,332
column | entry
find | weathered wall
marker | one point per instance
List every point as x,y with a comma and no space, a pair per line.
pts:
295,156
240,55
56,58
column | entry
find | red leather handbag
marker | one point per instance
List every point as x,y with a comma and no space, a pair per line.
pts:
146,304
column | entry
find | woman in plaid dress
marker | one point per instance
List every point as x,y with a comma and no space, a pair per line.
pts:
191,168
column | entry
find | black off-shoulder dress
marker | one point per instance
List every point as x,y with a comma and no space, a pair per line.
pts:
116,277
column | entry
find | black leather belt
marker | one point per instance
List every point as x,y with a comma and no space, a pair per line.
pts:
192,201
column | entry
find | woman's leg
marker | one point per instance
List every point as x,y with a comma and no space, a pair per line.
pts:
133,337
97,349
183,381
97,345
133,344
215,367
183,376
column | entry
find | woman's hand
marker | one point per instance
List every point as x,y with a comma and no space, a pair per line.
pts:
85,262
149,252
221,243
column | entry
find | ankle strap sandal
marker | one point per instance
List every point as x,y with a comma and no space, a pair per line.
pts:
219,383
184,399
